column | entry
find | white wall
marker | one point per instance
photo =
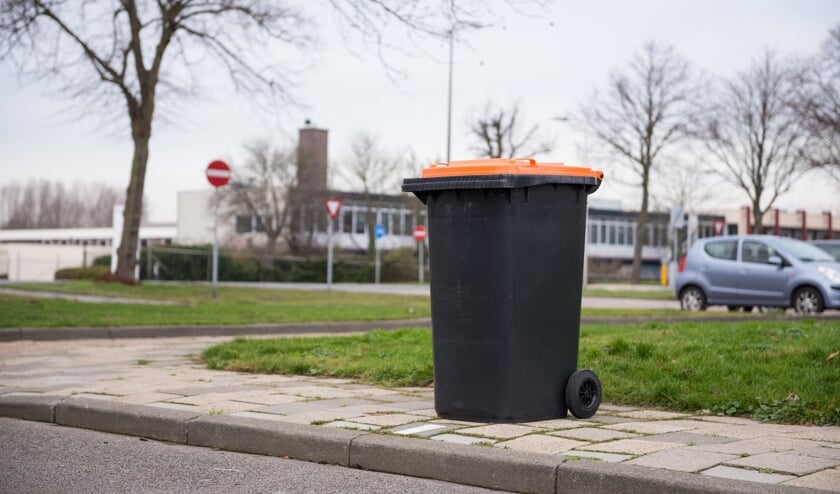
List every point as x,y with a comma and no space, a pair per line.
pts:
39,262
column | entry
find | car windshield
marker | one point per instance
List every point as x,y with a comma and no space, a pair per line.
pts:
804,252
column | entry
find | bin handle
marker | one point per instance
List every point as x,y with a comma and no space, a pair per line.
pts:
531,161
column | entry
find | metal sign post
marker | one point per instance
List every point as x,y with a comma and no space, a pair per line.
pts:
218,174
333,206
378,232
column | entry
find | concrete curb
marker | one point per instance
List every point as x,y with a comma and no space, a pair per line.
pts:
472,465
56,334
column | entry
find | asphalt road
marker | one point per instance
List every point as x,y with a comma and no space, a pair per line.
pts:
44,458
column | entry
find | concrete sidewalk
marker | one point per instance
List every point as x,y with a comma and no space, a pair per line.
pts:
156,388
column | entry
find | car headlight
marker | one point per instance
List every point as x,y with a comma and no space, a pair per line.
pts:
832,274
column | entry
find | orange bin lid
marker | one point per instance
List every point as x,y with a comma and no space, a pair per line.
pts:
501,166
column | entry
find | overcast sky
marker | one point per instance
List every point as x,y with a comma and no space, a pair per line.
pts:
549,64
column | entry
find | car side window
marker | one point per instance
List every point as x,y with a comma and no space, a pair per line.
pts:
757,252
725,249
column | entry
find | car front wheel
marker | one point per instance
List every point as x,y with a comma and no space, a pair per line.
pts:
808,300
693,299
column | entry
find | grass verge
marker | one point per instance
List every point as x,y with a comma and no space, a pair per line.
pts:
769,370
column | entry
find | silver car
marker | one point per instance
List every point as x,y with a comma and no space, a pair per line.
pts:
830,246
758,270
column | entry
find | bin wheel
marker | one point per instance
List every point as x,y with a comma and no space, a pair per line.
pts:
583,393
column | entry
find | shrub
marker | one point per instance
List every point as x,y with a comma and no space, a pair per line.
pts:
90,273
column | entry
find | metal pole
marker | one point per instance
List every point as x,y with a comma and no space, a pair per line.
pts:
449,106
378,264
215,241
421,271
330,253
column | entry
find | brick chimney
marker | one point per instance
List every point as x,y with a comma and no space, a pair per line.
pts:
312,158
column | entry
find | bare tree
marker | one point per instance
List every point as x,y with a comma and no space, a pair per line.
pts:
755,135
689,184
499,133
373,171
817,101
51,204
130,50
262,188
645,111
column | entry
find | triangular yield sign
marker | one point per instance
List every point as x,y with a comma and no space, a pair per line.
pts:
333,206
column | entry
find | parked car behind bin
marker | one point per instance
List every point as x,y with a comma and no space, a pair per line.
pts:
758,270
830,246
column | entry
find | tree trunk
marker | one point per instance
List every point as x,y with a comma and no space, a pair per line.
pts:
758,217
641,229
127,252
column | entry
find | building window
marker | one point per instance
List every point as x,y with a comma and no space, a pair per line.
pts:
347,220
360,221
593,234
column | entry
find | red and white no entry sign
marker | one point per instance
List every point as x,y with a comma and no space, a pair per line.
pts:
419,233
218,173
333,206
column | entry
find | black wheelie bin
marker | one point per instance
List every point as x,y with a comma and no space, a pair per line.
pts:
506,241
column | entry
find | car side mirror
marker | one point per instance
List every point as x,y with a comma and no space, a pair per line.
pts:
775,260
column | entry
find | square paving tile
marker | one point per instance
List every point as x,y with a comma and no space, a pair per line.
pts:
311,406
785,463
459,439
593,434
270,399
688,438
422,429
322,392
538,443
630,446
655,427
388,420
343,424
819,434
225,407
413,405
828,480
759,445
594,455
652,415
821,452
681,459
559,424
500,431
143,398
260,416
744,474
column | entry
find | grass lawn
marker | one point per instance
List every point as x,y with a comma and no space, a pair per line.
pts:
663,294
196,307
769,370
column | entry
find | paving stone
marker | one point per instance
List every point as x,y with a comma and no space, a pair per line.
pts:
206,398
342,424
731,431
559,424
819,434
199,389
688,438
785,463
821,452
728,420
650,427
459,439
394,398
630,446
94,396
759,445
828,480
311,406
608,419
538,443
413,405
744,474
224,407
681,459
652,415
377,392
500,431
271,399
426,412
143,398
594,455
606,407
462,423
323,392
593,434
422,429
310,417
388,420
261,416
